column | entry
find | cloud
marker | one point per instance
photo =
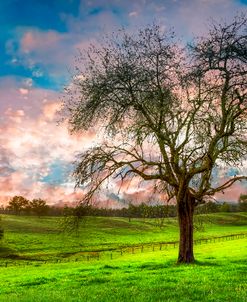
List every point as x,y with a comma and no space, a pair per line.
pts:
32,143
46,55
232,194
133,14
18,183
50,53
17,93
192,17
36,40
23,91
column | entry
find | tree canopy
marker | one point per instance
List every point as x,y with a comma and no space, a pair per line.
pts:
17,204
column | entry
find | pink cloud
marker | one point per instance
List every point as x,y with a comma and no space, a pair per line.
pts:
29,135
50,49
19,184
50,110
31,141
233,193
23,91
34,40
193,16
133,14
43,51
18,94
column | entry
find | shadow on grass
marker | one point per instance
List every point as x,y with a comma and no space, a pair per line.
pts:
19,257
241,262
109,267
156,266
172,264
38,281
5,252
95,281
206,263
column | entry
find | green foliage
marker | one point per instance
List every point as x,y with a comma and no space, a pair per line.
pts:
38,207
242,203
18,204
155,210
209,207
225,207
243,197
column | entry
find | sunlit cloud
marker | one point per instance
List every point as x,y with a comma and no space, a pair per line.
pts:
32,142
39,59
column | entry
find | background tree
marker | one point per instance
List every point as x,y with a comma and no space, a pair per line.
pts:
242,203
74,217
225,207
211,207
18,204
39,207
170,116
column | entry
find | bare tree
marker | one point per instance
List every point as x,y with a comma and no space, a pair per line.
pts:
170,115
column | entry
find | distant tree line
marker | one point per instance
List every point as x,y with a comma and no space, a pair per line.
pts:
19,205
133,211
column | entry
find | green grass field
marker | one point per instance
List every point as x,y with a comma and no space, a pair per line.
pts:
218,275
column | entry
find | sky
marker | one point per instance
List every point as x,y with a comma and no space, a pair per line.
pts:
39,42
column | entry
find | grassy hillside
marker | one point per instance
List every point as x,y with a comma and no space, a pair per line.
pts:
218,275
41,238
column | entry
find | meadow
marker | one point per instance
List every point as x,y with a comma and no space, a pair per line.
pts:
45,264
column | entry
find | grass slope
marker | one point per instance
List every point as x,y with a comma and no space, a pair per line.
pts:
218,275
41,238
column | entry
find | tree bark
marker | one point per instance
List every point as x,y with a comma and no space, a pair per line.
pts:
186,208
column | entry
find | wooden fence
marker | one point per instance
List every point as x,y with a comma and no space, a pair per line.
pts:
115,253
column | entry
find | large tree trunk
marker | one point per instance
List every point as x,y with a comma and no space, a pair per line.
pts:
186,208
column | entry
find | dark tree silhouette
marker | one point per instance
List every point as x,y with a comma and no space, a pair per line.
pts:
171,115
242,203
39,207
17,204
